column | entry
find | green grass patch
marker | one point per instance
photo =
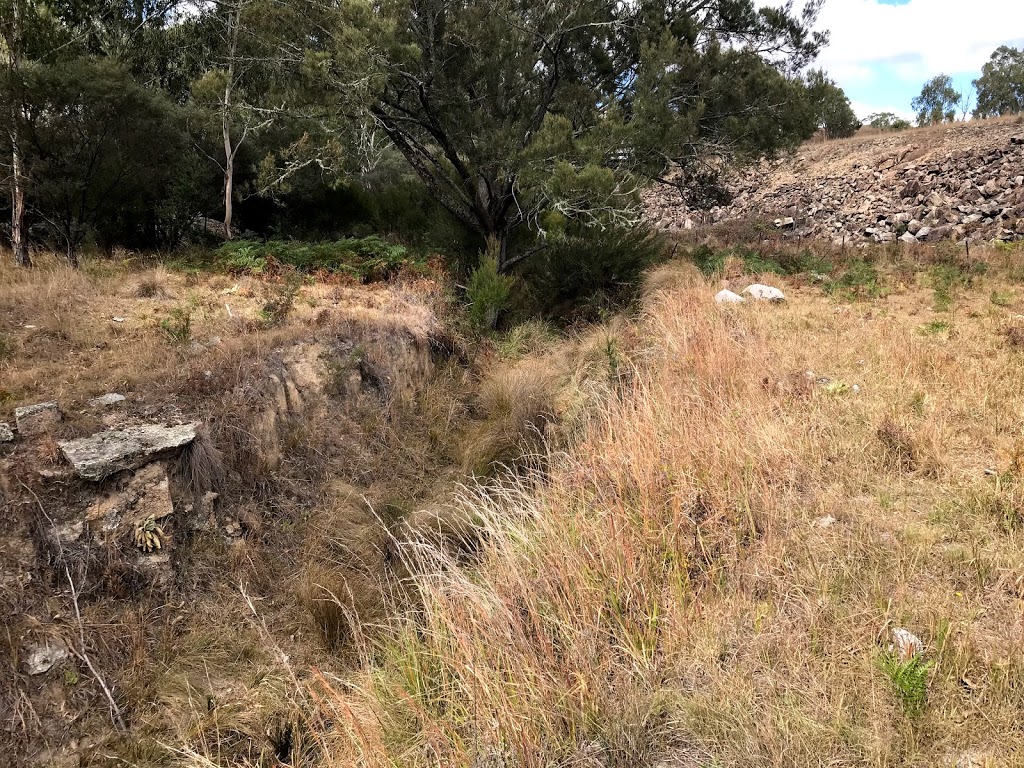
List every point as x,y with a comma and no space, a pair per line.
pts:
935,328
711,261
860,281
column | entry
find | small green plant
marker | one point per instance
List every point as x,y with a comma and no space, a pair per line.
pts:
6,347
488,291
909,681
935,328
178,327
280,298
1002,298
860,281
837,387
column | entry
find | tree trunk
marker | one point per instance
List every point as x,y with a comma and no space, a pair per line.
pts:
71,254
229,176
18,244
225,121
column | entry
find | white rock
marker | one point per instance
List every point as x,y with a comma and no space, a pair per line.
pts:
906,645
825,522
765,292
42,657
104,401
906,237
726,296
6,433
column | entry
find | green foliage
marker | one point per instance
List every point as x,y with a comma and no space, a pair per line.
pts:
888,121
367,259
935,328
587,268
832,112
6,347
711,261
1002,298
937,101
858,282
177,328
280,298
95,144
563,106
487,291
1001,85
909,681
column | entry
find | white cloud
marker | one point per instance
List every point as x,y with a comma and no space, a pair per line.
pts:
921,37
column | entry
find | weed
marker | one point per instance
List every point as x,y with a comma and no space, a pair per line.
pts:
1002,298
177,328
909,681
6,347
859,282
935,328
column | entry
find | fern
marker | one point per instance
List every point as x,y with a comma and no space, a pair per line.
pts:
909,681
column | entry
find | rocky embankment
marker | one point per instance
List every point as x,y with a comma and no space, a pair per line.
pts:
950,182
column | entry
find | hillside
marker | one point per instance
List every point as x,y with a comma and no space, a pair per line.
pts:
769,533
925,185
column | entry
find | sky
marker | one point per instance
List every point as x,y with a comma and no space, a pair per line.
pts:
882,51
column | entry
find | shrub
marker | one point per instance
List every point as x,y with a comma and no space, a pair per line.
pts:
488,291
280,298
593,268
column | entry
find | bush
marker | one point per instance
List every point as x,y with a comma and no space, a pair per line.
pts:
487,291
592,269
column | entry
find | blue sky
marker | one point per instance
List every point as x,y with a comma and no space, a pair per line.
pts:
882,51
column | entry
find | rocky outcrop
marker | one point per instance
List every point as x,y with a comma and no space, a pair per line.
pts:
956,182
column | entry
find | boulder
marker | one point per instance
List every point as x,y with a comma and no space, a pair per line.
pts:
726,296
37,419
906,237
765,292
6,433
914,226
923,233
104,454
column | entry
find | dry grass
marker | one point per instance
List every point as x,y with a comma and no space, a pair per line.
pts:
665,595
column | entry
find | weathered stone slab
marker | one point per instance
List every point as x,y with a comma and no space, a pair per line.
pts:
104,454
37,419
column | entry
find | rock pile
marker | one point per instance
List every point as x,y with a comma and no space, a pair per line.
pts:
957,182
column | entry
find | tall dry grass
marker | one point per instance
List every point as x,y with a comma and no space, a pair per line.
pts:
710,576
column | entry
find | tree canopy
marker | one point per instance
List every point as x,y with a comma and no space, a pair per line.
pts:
937,101
1001,85
523,122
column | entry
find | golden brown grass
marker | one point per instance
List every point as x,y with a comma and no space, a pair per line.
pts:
668,593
